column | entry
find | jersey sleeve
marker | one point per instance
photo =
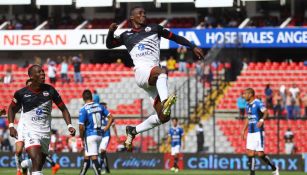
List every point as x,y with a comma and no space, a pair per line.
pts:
261,106
114,41
16,101
82,116
164,32
170,132
182,131
178,39
56,98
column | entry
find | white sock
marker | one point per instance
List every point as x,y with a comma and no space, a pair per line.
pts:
151,122
18,159
37,173
162,86
26,163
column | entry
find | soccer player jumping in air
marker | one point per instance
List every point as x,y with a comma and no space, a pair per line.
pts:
256,113
143,45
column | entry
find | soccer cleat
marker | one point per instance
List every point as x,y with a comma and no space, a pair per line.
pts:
130,137
276,172
168,104
19,172
55,169
173,169
176,170
103,172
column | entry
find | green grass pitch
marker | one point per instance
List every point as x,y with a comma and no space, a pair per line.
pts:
12,171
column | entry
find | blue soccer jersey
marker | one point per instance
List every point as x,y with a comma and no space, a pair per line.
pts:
255,111
176,134
92,116
108,132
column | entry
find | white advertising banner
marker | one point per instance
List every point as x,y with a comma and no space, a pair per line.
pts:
58,40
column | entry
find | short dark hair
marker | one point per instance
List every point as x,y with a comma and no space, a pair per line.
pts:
250,90
175,118
133,8
87,95
31,68
103,103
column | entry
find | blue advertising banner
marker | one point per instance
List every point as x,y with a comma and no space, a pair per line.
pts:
239,162
246,38
161,161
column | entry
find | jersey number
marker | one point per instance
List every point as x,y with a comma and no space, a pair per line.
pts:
97,120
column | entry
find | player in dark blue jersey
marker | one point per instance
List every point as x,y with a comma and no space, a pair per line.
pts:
105,142
256,115
91,118
175,136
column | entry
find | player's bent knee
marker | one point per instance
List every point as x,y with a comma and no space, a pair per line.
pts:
164,118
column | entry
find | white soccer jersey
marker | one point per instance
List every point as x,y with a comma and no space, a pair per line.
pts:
36,108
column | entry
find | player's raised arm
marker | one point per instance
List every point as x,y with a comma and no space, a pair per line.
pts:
181,40
113,42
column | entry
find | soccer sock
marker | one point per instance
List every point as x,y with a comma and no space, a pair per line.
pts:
86,165
251,163
107,164
102,156
18,159
162,86
151,122
49,159
267,160
176,162
26,163
37,173
96,167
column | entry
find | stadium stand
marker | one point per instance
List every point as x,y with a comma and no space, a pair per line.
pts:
258,75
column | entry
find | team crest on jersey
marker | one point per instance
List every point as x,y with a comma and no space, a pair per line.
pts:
254,105
147,29
45,93
39,111
141,47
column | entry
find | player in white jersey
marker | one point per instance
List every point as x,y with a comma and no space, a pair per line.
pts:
143,45
35,101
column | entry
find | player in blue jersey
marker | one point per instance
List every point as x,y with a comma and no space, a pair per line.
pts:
256,115
175,137
104,144
91,118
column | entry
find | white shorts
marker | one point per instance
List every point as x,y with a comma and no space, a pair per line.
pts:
91,145
142,75
104,143
175,150
35,139
255,141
